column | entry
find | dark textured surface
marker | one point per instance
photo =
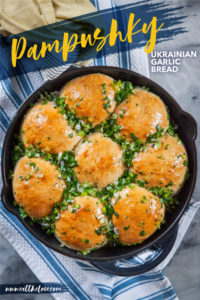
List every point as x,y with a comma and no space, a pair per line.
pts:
184,269
14,270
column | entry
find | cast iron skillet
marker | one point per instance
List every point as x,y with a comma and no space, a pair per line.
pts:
163,239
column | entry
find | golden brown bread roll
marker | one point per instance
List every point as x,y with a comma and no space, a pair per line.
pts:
46,128
36,186
140,114
163,164
77,225
138,214
88,95
99,160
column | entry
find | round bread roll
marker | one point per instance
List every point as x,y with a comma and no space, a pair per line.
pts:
46,128
138,214
91,96
162,164
140,114
78,226
99,160
36,186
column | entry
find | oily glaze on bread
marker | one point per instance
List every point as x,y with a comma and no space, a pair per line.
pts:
36,186
46,128
162,164
76,228
138,214
91,97
99,160
140,114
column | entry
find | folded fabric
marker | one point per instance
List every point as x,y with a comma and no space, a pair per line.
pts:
21,15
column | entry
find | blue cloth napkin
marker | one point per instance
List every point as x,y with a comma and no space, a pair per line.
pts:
82,279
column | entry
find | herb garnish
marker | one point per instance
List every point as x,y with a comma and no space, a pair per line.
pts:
18,150
165,194
126,228
79,125
142,233
111,129
122,90
106,99
65,162
154,137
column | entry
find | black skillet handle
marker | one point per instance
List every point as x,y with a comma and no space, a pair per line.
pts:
191,124
162,252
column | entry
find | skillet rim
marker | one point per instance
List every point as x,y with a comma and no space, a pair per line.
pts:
132,250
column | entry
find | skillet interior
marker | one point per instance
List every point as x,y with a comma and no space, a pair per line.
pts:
186,130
